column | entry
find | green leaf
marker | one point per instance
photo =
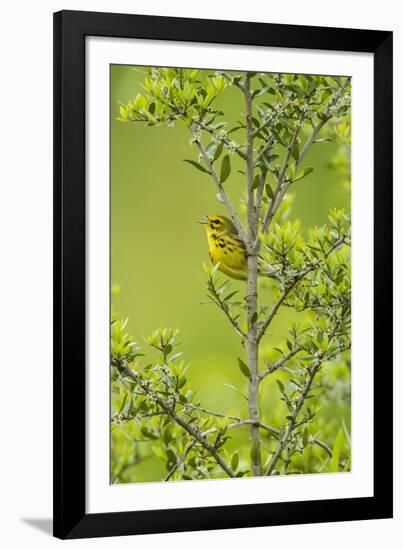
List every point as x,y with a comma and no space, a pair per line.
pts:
244,368
234,388
323,116
225,169
149,434
235,461
235,129
171,456
210,149
197,165
342,111
123,403
280,385
305,172
181,382
230,295
334,462
256,182
269,191
167,435
215,269
218,151
295,151
279,138
167,349
270,158
326,94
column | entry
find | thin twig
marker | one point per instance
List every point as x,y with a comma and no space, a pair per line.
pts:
295,281
226,141
222,192
278,364
266,148
283,185
316,129
240,422
314,369
269,119
225,309
183,423
180,461
236,83
259,193
273,312
291,425
279,192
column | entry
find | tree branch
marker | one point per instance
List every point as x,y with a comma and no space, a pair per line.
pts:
278,364
282,186
273,312
180,461
295,281
226,141
316,129
239,422
314,369
269,118
222,192
291,425
196,434
259,193
252,347
230,79
279,192
224,307
266,148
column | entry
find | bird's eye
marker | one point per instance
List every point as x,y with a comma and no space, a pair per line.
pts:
216,222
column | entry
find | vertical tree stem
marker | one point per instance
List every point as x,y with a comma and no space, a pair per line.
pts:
252,344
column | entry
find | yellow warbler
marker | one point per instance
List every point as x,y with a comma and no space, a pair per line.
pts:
226,247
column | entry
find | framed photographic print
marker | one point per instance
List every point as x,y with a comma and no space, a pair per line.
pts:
223,274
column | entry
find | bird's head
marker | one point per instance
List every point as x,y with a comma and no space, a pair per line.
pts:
218,224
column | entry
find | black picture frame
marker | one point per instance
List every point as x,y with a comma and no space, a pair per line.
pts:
70,517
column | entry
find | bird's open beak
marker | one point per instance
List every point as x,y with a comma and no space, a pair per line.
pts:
205,220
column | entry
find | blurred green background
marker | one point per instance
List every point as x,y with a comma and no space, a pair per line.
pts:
158,249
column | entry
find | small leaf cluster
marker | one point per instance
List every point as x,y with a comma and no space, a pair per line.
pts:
156,400
171,94
283,104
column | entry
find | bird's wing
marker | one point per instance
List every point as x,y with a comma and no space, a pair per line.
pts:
235,239
238,239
